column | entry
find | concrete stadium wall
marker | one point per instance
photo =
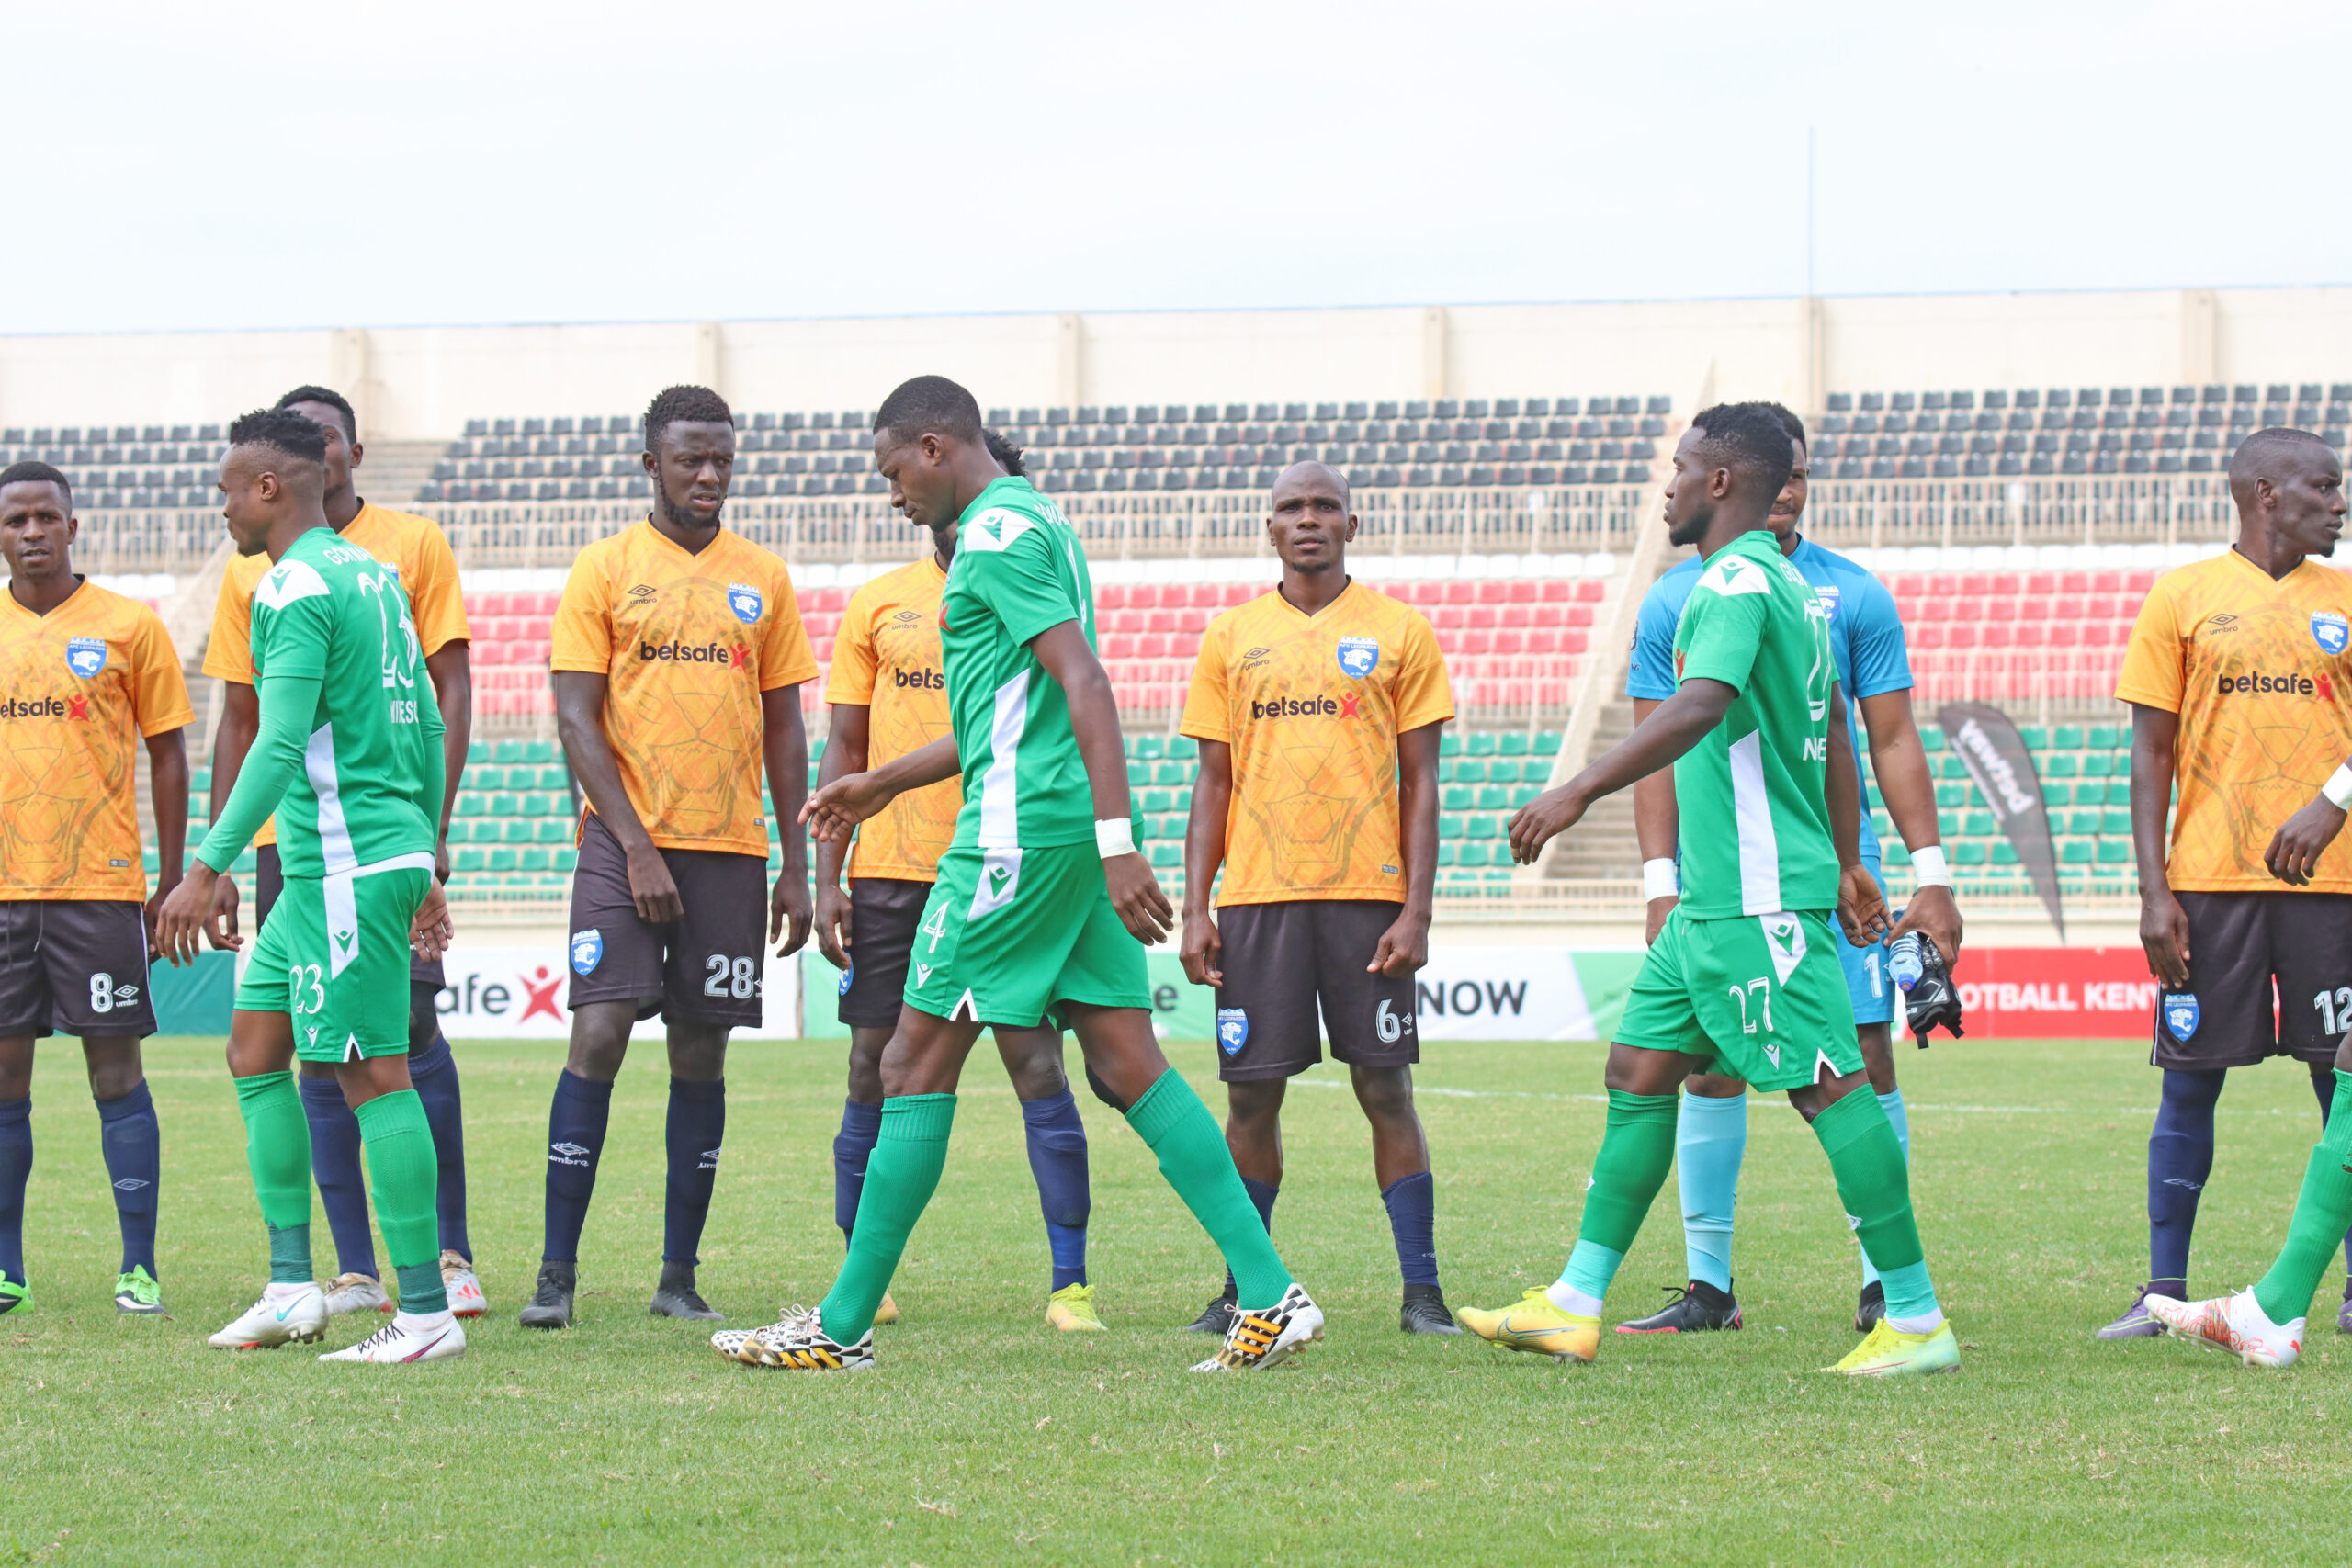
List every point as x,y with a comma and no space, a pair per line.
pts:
424,383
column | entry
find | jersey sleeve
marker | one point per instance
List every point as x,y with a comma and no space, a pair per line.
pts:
158,692
851,679
1209,712
1881,658
291,628
2152,673
1423,694
582,636
229,656
1650,675
786,657
1721,634
437,602
1019,584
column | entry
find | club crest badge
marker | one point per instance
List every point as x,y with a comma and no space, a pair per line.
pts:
744,600
2331,631
848,976
86,656
587,951
2180,1016
1358,656
1232,1030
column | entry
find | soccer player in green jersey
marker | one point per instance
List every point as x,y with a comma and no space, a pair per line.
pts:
1042,901
1743,979
349,759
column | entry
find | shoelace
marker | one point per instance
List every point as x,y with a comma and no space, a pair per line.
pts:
383,1336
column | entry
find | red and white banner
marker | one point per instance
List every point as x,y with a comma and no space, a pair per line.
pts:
2056,993
519,993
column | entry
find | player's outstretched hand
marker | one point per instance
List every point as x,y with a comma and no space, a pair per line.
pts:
834,810
1934,913
1403,947
2295,849
183,915
1655,921
2164,934
789,905
832,915
1543,819
1143,906
430,933
653,889
219,925
1861,905
1202,950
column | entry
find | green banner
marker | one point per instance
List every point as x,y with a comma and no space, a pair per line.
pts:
197,1000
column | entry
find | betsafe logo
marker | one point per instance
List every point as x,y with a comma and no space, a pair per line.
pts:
735,658
46,708
2293,683
920,680
1306,707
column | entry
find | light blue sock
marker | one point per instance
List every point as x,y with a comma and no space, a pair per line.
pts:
1584,1283
1909,1294
1710,1140
1892,1105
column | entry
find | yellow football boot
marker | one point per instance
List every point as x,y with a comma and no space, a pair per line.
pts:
1890,1352
1538,1326
1071,1310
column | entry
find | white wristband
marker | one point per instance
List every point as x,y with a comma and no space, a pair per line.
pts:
1658,880
1927,867
1116,837
2338,788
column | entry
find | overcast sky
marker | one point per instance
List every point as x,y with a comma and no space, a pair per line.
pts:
235,165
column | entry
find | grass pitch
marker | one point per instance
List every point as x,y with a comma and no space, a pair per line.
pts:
983,1437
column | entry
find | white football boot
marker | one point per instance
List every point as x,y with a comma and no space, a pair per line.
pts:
284,1314
410,1337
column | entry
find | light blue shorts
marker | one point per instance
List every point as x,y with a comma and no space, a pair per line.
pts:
1866,980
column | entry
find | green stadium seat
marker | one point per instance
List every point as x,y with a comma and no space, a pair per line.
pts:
502,858
537,804
515,831
1524,794
504,805
1951,797
1477,853
1184,747
540,751
559,830
2114,851
2092,791
478,751
1138,775
816,747
2099,764
1494,797
1150,747
2067,737
1171,773
1882,825
1876,799
1166,854
1482,744
1449,744
1547,743
1181,800
1979,824
1951,768
1449,825
1481,825
199,778
2003,853
2055,793
812,776
2035,737
1968,852
507,751
1512,746
1154,800
2108,736
1931,738
1535,771
471,804
466,859
1457,797
552,776
566,857
2061,765
2116,820
536,859
1892,850
1448,852
1470,770
1948,825
2083,822
2076,852
2118,792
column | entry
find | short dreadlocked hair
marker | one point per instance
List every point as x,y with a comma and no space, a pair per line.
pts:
1007,456
683,405
283,429
929,403
1790,423
1751,440
29,472
331,399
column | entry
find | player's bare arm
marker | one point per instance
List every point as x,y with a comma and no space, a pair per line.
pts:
430,933
845,753
1201,948
1135,893
2295,848
167,761
1657,828
1675,726
784,741
2164,925
580,724
451,666
232,739
1861,905
1405,946
1900,763
838,807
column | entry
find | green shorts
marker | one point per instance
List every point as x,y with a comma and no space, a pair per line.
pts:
1008,933
333,956
1763,995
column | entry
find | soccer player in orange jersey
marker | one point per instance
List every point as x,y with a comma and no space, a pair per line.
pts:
2237,675
1317,707
679,657
85,675
416,549
888,695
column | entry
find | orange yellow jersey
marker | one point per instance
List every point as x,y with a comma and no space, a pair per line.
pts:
79,688
687,644
887,658
413,545
2260,672
1312,706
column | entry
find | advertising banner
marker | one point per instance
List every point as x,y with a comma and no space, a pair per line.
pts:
1994,754
517,993
2055,993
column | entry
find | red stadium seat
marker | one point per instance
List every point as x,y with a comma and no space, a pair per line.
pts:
1483,616
1478,641
2042,583
2032,634
1493,592
1521,591
1517,614
2106,583
1929,637
2139,581
2074,583
1461,593
1573,642
1555,590
1111,596
1590,592
1542,639
1509,641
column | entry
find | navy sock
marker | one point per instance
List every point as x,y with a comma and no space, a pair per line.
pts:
575,1137
852,1146
697,1127
2180,1157
334,1165
433,1072
1057,1159
1263,1197
1412,1219
133,1145
15,1166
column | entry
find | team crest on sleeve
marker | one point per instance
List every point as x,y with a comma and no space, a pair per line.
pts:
992,530
1731,575
744,600
1358,656
849,977
86,656
2331,631
1828,593
2180,1016
587,951
1232,1030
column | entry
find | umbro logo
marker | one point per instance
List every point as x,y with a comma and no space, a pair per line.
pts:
567,1148
129,1184
1257,653
2220,620
643,591
709,1160
906,618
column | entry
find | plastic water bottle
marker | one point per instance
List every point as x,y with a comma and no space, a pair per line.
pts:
1904,966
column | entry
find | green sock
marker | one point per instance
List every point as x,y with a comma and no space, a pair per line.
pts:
2285,1294
278,1148
403,1172
1636,1151
1874,1183
900,1176
1176,1126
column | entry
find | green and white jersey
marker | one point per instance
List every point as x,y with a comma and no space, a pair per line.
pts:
330,610
1752,793
1019,570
